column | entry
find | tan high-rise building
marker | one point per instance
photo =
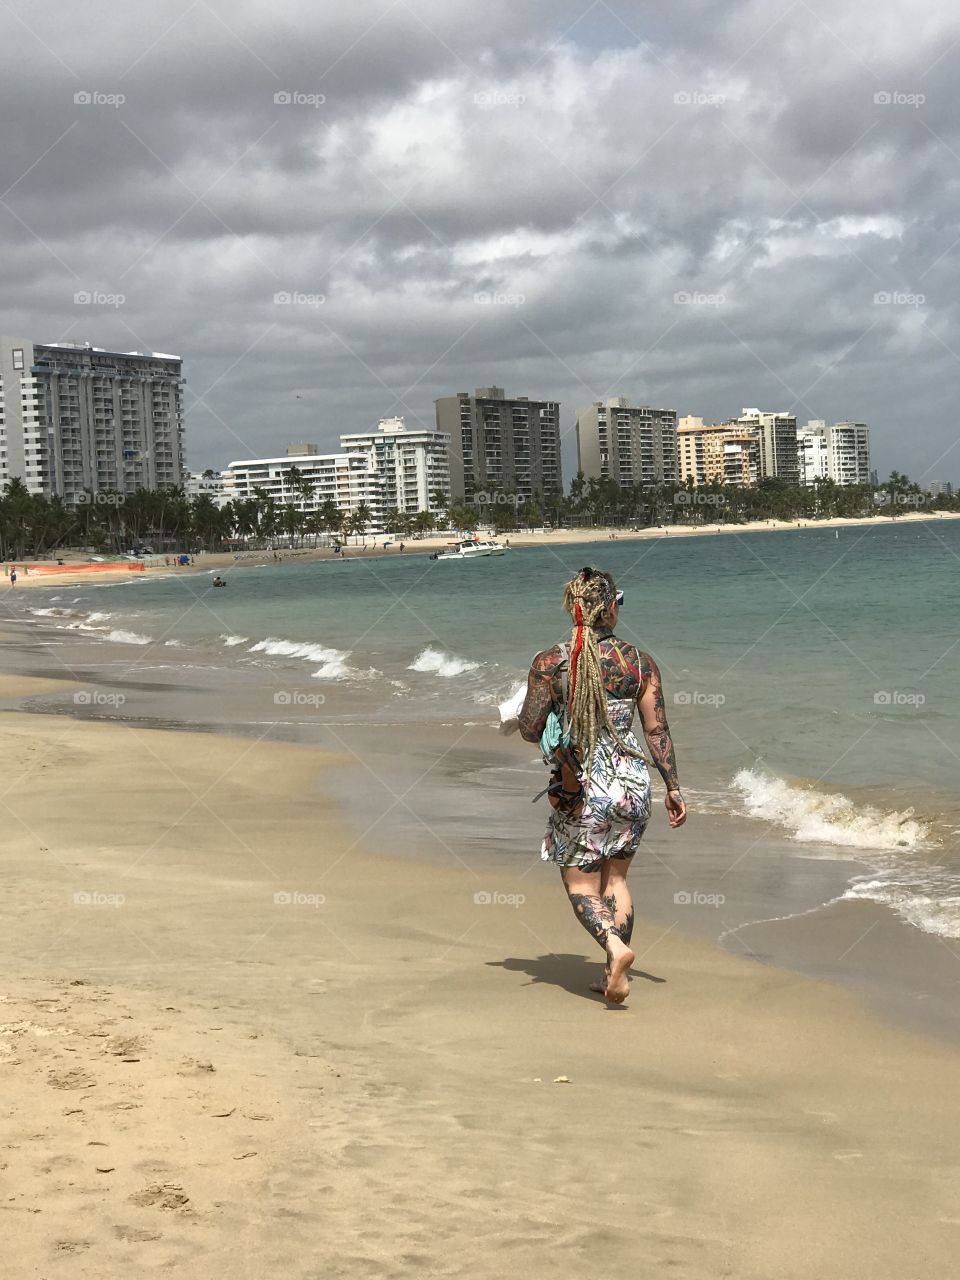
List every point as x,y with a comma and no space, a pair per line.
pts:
717,453
629,444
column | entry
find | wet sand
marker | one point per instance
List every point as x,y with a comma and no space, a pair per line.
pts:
238,1039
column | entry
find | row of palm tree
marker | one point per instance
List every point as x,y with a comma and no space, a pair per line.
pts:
166,519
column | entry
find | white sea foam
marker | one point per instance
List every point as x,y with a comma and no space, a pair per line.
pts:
436,662
816,817
933,912
333,662
230,641
173,644
296,649
127,637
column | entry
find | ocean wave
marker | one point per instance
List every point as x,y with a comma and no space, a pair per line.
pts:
816,817
230,641
333,662
126,637
926,906
296,649
436,662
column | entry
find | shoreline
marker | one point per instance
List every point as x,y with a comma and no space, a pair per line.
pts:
189,956
207,562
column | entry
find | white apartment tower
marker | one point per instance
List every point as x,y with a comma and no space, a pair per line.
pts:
840,452
78,419
413,465
306,479
629,444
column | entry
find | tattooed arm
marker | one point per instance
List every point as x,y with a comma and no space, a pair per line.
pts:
539,699
653,717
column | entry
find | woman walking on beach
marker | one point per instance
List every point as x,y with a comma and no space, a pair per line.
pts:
593,684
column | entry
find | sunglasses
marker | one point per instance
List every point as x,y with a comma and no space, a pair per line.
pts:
618,599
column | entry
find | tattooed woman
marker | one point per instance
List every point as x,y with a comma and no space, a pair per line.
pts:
601,818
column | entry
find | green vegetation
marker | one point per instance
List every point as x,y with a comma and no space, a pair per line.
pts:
166,520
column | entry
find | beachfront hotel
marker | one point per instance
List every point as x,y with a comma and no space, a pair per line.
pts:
717,453
776,435
840,452
626,443
306,479
501,444
77,419
413,465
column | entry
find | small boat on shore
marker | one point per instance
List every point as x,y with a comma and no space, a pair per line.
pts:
471,549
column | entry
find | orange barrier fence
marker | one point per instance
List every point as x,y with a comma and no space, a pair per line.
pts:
132,566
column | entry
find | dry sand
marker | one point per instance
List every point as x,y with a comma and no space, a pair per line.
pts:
553,538
378,1075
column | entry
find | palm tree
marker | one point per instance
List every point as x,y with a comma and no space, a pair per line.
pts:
360,519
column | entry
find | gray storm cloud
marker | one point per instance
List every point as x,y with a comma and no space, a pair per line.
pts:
706,207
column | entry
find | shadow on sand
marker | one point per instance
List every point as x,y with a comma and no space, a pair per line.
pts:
572,973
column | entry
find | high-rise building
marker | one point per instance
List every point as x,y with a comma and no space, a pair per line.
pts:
777,439
629,444
840,452
306,479
77,419
413,465
717,453
501,445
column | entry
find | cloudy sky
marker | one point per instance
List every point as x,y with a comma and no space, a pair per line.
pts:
340,212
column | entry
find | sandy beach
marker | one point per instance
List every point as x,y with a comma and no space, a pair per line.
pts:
70,573
238,1041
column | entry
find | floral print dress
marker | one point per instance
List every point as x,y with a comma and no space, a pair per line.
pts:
616,807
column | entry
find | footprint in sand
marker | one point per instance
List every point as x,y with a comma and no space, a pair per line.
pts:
162,1195
77,1078
135,1234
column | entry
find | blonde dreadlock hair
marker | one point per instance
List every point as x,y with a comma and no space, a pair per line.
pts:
588,598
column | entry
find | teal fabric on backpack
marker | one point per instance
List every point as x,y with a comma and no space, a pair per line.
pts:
553,736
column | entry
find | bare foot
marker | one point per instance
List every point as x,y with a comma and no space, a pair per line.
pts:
619,960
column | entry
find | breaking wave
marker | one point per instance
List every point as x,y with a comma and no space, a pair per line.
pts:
436,662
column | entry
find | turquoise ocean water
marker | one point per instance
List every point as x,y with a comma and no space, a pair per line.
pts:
811,677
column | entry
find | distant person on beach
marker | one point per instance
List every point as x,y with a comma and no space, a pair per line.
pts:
13,577
218,581
601,787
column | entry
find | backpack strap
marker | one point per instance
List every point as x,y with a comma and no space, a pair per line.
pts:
564,670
